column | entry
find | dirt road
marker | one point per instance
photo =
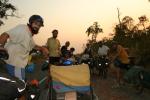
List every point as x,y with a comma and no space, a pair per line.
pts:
104,90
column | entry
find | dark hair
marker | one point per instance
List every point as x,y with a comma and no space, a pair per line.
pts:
55,31
72,49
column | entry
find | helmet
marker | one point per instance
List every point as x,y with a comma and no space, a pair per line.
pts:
36,18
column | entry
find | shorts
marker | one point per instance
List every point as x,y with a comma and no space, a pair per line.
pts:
54,60
119,64
15,71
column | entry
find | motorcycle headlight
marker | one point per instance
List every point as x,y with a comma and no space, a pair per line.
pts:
32,96
99,64
106,63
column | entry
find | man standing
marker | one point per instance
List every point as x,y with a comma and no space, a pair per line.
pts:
19,44
53,46
102,50
120,60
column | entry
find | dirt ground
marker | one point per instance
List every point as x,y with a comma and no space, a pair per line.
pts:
104,90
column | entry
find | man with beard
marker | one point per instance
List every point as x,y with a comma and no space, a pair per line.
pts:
18,42
53,46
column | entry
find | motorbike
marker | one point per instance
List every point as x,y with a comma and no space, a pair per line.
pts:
11,87
101,64
137,76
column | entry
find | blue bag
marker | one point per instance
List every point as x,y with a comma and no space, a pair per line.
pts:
30,68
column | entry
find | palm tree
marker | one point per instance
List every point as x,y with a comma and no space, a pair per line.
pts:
94,30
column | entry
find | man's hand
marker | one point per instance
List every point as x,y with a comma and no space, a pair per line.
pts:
1,48
3,53
45,51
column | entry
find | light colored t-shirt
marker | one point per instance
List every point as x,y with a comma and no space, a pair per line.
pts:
19,45
102,51
53,47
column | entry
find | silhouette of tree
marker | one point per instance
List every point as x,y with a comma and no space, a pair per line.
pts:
94,30
134,36
6,9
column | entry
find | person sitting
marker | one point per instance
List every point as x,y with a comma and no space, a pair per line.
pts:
71,51
64,49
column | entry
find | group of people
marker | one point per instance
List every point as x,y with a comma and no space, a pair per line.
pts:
18,42
117,56
56,51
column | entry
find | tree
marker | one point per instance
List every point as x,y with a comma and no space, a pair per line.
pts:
136,37
94,30
6,9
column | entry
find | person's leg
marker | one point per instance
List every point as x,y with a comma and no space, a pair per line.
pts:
17,72
54,60
51,60
57,60
10,69
20,73
118,76
116,72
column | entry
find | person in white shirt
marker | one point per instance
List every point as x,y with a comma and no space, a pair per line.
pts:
103,49
18,42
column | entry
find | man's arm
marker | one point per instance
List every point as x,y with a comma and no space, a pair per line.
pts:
43,49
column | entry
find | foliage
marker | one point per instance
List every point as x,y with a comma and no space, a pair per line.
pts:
94,30
6,9
136,37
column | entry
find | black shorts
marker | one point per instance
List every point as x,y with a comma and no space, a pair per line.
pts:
121,65
54,60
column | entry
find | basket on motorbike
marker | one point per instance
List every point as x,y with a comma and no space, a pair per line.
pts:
71,82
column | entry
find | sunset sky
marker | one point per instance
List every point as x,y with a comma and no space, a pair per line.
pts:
73,17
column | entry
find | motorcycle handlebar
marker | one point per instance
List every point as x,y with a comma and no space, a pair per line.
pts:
4,55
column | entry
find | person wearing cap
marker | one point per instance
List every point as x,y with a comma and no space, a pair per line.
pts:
18,42
53,46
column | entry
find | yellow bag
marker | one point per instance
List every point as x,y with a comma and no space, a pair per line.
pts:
29,59
73,75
